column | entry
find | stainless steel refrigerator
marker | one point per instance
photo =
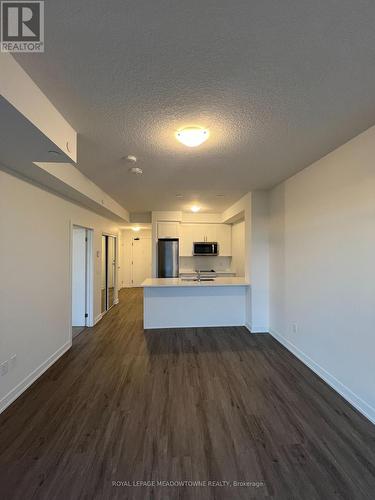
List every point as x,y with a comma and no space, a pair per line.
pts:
168,253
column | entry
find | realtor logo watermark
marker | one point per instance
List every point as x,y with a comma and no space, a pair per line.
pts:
22,26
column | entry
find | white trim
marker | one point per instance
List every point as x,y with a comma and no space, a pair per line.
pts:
89,275
259,329
256,329
98,318
188,326
116,301
367,410
13,394
140,237
116,268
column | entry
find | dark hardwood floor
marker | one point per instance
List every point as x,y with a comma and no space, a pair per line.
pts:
213,404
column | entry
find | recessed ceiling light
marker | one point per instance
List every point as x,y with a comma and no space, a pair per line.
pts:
195,208
192,136
130,158
136,228
136,170
178,195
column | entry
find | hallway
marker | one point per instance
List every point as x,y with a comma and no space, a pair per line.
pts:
201,404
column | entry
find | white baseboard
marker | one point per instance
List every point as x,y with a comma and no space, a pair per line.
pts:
257,329
367,410
98,318
34,375
183,327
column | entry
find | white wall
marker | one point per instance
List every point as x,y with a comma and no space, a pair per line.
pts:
35,306
322,268
259,255
242,210
201,217
18,88
238,248
254,209
89,194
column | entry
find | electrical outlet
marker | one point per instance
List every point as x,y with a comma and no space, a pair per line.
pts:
295,328
4,367
13,361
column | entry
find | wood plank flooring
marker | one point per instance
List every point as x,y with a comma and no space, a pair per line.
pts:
76,330
213,404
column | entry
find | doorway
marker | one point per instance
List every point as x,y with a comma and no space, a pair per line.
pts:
141,260
108,272
81,279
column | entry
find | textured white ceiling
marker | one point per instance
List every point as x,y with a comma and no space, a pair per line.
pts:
279,83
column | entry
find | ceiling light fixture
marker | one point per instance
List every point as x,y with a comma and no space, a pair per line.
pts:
178,195
195,208
136,170
130,158
192,136
136,228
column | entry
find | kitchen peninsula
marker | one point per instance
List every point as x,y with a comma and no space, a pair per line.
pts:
183,303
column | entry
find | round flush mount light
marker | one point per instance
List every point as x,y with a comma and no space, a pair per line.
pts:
136,228
192,136
195,208
136,170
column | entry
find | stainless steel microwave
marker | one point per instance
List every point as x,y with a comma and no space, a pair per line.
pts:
205,248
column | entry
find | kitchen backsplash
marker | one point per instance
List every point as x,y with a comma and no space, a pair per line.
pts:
216,263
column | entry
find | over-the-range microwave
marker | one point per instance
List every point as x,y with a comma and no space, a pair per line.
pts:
205,248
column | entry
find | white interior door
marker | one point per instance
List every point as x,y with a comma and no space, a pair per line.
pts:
141,258
79,277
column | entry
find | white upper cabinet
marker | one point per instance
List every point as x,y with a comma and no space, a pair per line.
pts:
211,232
187,237
168,229
224,238
190,233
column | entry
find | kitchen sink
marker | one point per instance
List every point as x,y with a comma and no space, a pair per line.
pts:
197,279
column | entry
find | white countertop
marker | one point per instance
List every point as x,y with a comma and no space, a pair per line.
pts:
178,282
